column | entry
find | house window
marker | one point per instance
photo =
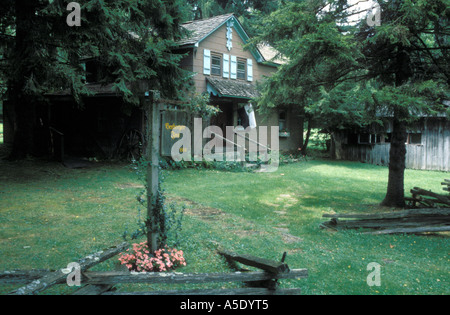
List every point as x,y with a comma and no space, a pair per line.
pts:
216,64
414,138
242,69
388,138
282,121
376,138
367,138
364,138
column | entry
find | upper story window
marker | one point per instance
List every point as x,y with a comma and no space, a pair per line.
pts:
216,64
241,69
228,66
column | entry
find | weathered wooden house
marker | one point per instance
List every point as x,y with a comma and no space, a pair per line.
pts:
428,144
215,52
229,73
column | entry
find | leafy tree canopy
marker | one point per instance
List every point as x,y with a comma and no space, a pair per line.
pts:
131,38
340,72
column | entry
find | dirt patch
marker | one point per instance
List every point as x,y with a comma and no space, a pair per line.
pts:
196,209
287,237
213,214
287,200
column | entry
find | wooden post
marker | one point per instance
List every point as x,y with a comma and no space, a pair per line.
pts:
152,157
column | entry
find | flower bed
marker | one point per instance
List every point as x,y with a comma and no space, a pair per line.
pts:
140,259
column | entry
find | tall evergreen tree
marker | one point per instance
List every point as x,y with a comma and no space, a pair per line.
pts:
344,73
41,53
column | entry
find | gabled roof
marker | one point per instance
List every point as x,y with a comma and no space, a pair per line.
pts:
201,29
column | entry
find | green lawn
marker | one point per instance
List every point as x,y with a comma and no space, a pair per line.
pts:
51,216
1,132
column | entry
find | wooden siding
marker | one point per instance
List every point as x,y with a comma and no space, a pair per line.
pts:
216,42
432,154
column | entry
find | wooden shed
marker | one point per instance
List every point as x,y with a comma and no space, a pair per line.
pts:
427,146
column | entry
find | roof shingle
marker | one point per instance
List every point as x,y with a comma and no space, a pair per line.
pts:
202,28
233,88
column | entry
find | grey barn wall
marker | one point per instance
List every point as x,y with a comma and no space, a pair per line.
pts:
432,154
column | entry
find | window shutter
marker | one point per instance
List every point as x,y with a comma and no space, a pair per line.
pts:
207,62
226,66
234,67
249,70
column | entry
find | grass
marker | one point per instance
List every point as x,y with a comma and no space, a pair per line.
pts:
1,133
51,216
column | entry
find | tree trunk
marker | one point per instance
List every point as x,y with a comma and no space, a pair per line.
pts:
304,148
395,196
23,104
24,128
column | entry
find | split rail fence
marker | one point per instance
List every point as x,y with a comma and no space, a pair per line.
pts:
262,282
429,213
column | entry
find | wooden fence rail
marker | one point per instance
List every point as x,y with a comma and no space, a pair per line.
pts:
186,278
58,277
264,282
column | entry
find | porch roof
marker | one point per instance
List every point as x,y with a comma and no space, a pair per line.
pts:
231,88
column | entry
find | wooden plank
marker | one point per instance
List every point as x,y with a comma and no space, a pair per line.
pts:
234,292
379,224
21,276
114,277
58,276
423,192
89,290
424,229
252,261
393,215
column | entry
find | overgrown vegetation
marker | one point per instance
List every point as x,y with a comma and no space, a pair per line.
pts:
169,216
